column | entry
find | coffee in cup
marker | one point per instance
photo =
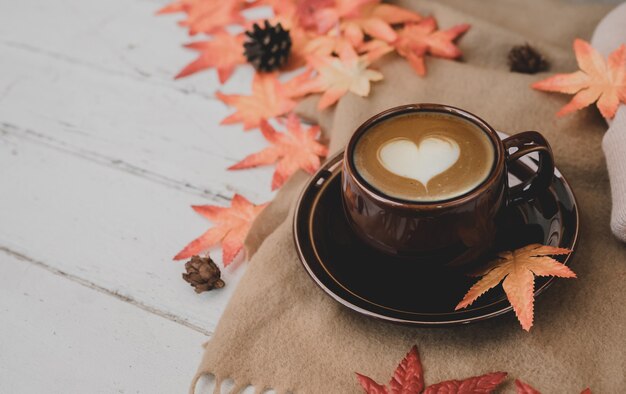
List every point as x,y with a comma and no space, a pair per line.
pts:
424,156
431,180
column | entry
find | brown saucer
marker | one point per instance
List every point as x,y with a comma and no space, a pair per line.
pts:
414,291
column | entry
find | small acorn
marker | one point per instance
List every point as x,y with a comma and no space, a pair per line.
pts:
526,59
267,48
203,274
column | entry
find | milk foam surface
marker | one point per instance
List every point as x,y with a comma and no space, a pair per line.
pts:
424,157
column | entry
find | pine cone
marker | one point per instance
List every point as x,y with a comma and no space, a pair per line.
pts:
203,274
525,59
267,48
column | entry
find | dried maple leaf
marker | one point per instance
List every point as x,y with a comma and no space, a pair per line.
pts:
376,20
300,37
604,81
375,49
339,75
415,40
207,16
296,149
325,45
231,227
408,378
518,269
299,41
330,44
284,9
474,385
305,12
322,15
370,386
525,388
409,375
270,98
354,19
223,52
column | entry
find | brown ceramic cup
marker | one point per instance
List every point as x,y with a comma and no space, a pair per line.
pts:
459,229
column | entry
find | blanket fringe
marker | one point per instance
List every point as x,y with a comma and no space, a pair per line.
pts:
237,388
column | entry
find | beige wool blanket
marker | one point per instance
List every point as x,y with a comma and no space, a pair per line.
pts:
281,331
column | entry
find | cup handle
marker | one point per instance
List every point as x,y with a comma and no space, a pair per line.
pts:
529,142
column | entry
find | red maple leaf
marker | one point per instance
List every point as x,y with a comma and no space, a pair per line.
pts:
604,81
270,98
516,270
296,149
207,16
474,385
416,40
408,378
231,227
525,388
223,52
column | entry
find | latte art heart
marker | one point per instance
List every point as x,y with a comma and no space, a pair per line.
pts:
433,156
399,155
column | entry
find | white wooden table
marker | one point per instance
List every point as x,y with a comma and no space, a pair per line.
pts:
101,155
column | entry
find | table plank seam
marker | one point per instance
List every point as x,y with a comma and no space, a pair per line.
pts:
32,136
103,290
141,76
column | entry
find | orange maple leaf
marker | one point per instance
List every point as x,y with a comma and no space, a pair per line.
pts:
415,40
408,378
330,44
525,388
299,41
323,15
518,269
329,21
604,81
296,149
375,20
304,41
270,98
337,76
231,227
207,16
281,8
325,45
223,52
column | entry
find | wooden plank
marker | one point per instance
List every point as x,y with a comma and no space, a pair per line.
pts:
119,37
162,134
57,336
112,155
106,228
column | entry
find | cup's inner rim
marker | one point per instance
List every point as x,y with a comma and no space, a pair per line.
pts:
408,110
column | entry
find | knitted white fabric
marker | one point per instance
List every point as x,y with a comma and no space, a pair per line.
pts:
614,145
611,33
